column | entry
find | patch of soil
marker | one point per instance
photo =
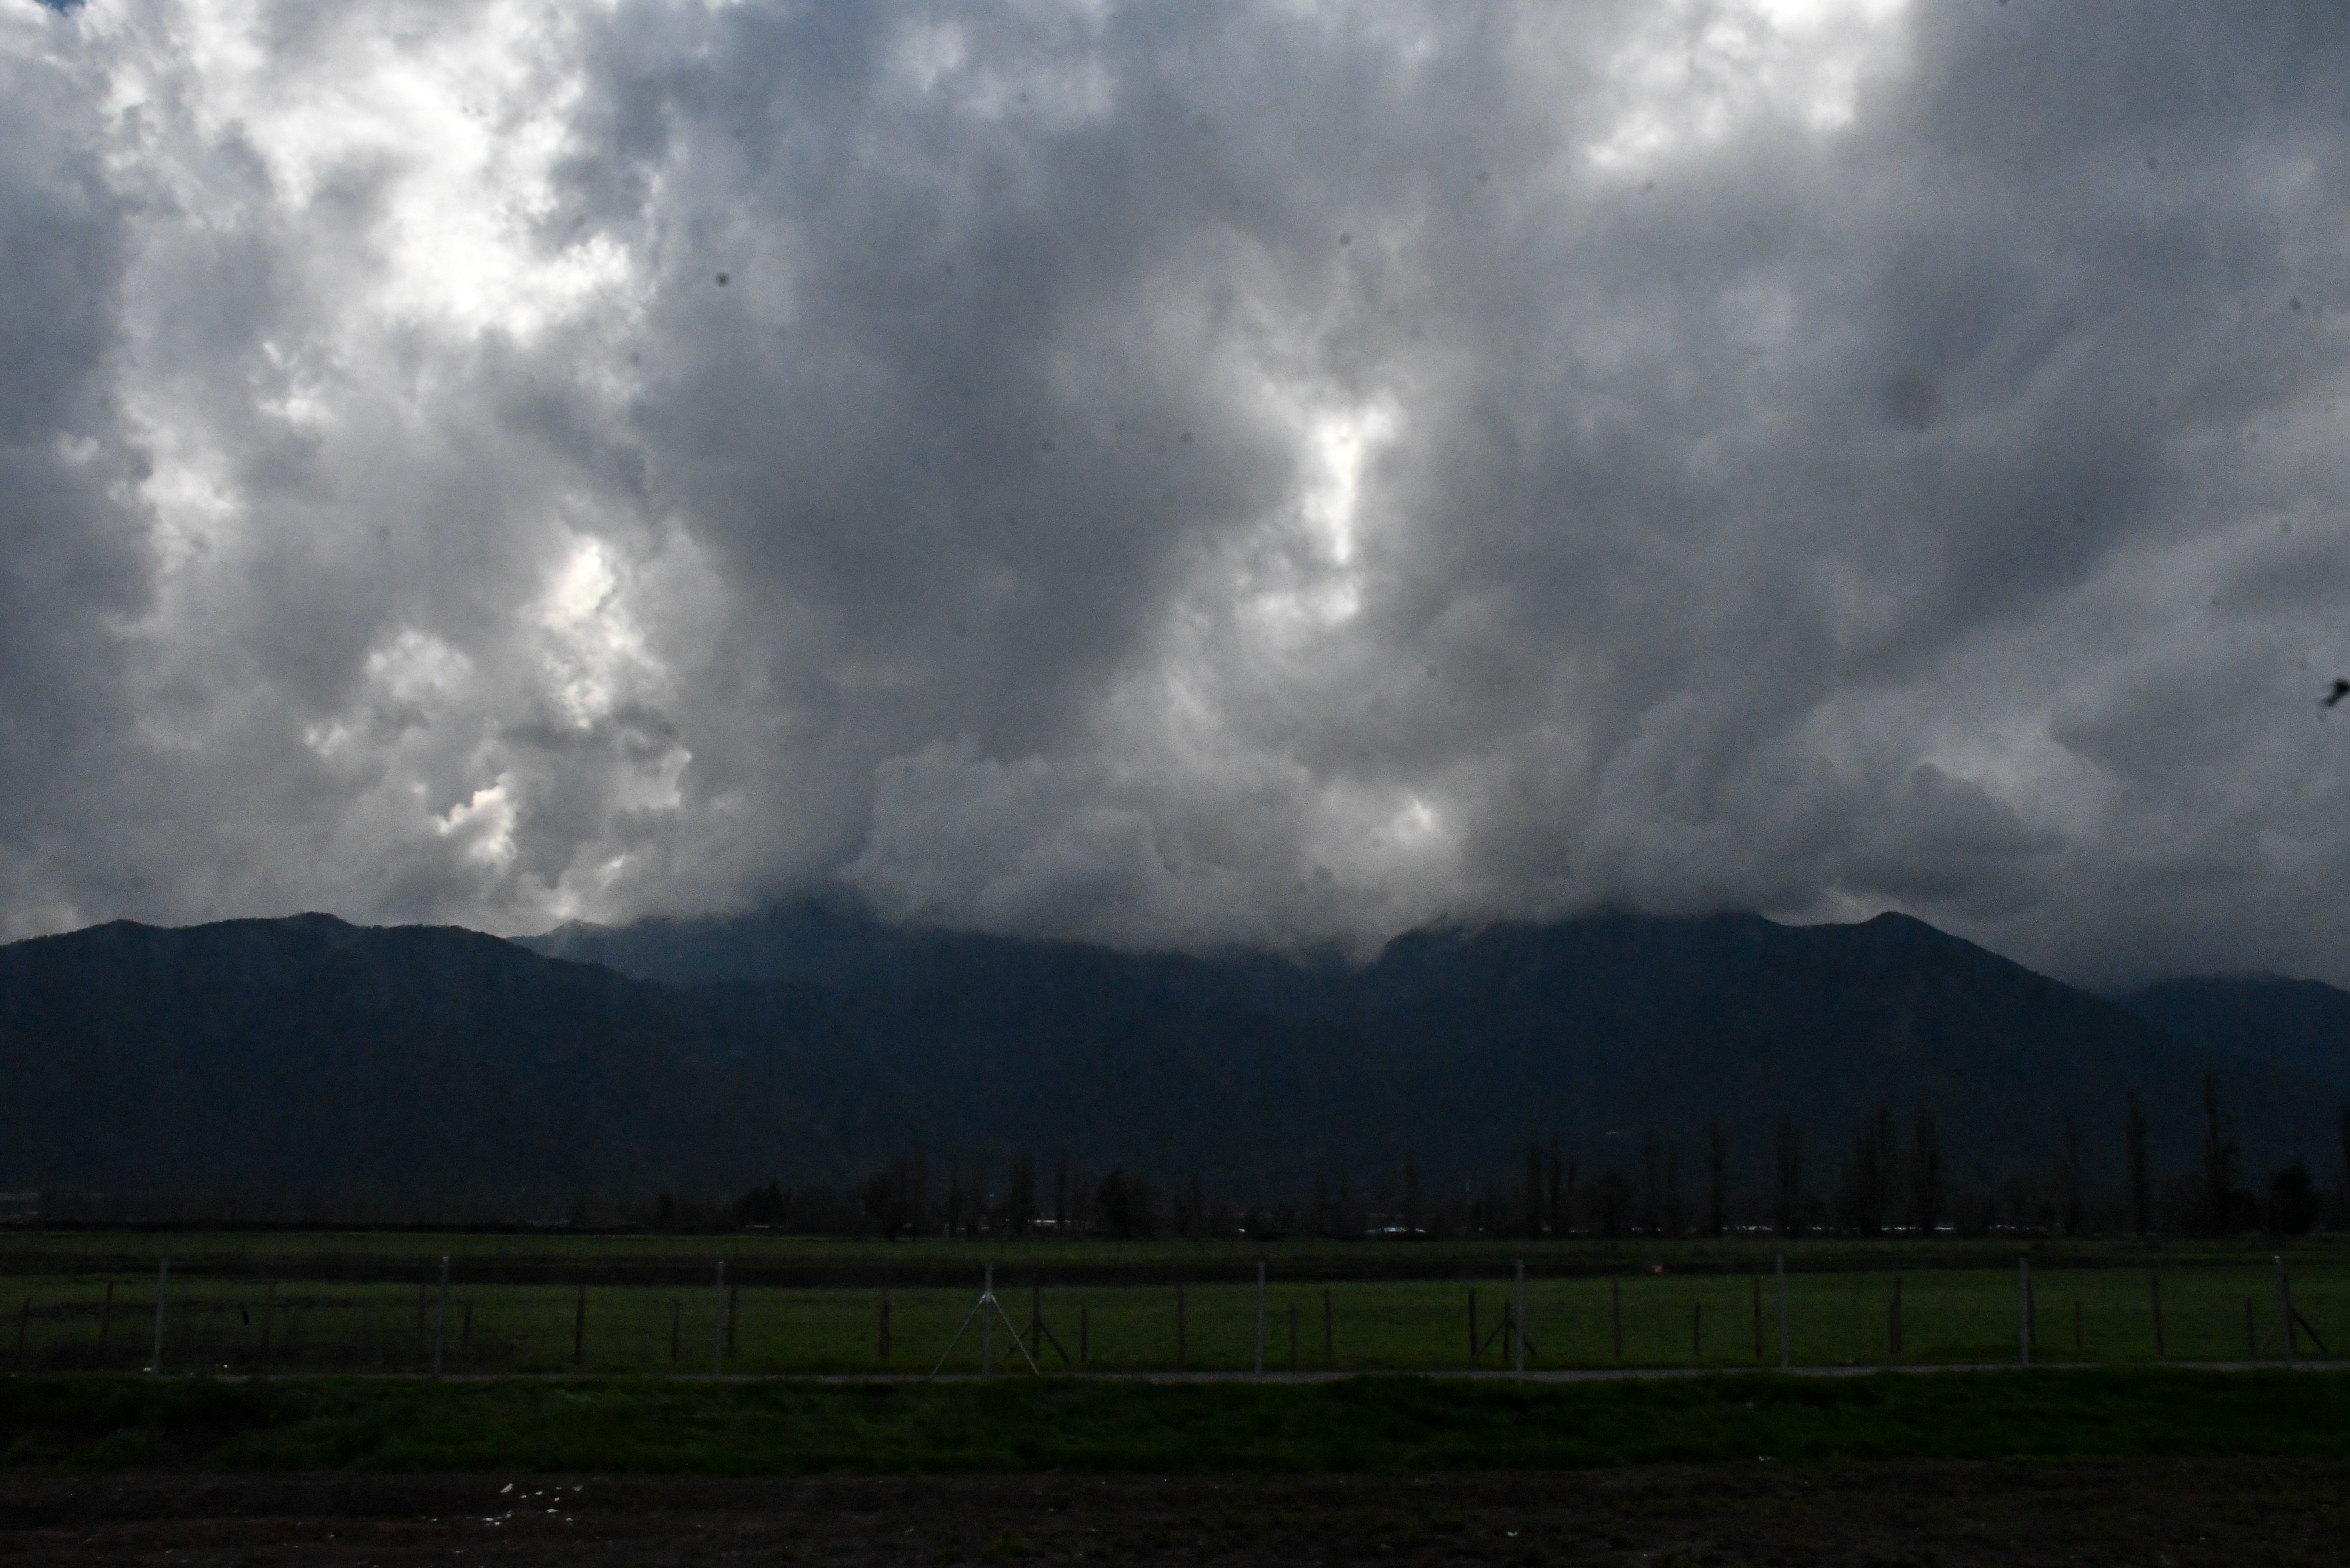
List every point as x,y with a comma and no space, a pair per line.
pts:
1871,1516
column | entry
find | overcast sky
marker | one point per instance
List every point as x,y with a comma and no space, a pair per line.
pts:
1182,473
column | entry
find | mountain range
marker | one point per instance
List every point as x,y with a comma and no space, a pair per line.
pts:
308,1061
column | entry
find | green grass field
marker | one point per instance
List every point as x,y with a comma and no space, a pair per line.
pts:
364,1304
1397,1424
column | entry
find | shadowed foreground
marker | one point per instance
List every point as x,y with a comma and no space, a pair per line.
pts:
1394,1425
1950,1514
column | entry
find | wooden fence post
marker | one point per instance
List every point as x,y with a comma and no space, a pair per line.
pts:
2284,1312
2023,1311
1518,1326
162,1285
1260,1321
1787,1351
441,1319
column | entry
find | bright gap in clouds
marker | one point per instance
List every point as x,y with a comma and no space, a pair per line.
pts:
1696,73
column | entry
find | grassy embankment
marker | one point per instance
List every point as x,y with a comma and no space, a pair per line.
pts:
86,1424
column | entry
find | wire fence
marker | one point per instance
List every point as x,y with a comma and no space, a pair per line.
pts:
2233,1312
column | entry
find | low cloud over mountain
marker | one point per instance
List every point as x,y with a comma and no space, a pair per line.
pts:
1182,477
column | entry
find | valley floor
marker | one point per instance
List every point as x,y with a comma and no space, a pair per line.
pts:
1950,1514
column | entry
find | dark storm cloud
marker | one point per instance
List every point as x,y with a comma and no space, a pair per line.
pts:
1269,473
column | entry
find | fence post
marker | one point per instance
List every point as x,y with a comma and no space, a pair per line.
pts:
162,1284
718,1324
1785,1354
1518,1329
2284,1312
439,1318
1260,1321
2023,1311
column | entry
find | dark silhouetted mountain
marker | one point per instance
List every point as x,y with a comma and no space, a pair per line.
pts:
2302,1024
437,1067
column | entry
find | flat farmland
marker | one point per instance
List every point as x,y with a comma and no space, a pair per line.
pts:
636,1304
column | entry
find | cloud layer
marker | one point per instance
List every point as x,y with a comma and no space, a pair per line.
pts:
1270,473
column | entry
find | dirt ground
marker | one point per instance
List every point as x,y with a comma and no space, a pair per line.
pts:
2168,1512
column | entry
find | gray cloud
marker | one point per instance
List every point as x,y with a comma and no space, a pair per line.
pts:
1240,474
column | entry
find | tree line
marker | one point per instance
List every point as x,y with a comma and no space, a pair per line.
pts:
1891,1176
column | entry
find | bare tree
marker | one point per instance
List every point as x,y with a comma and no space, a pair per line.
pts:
1787,1209
1556,1209
896,1196
2346,1148
1868,1183
1925,1194
2221,1151
1534,1204
1019,1198
2068,1178
2141,1179
1717,1177
1652,1183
